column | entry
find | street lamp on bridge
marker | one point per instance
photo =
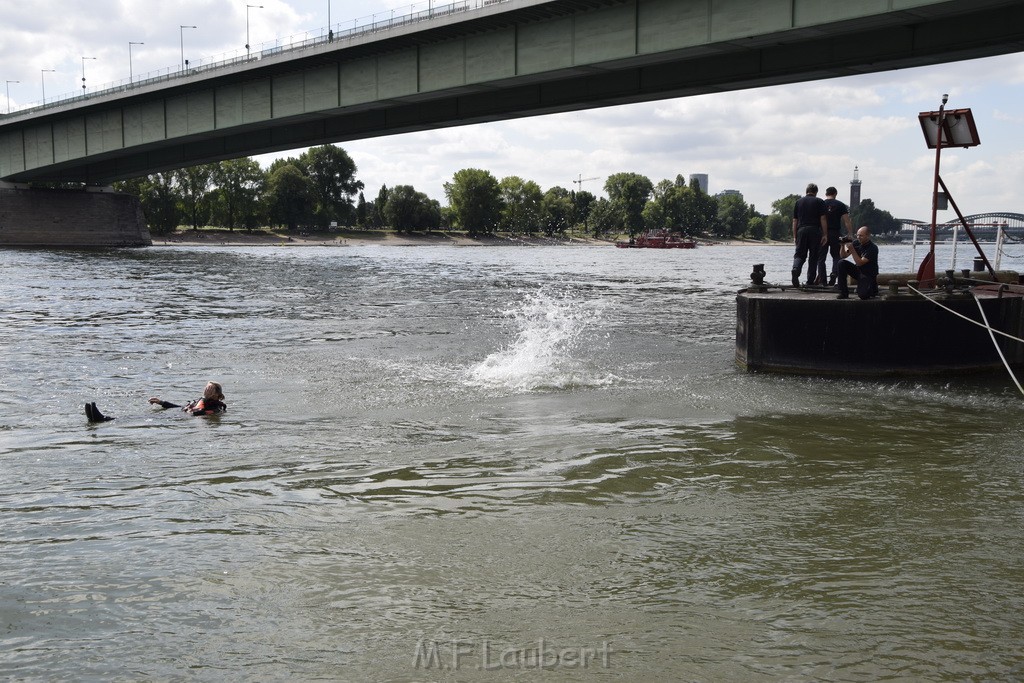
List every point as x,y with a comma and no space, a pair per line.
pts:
181,40
9,95
130,74
83,72
247,8
42,80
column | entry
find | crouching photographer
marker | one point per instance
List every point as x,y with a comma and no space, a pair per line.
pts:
863,268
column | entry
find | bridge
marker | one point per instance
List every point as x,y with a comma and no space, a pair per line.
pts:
985,226
485,60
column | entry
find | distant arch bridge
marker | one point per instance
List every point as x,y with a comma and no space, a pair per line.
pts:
983,225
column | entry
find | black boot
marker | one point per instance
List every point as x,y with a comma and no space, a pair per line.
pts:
94,414
796,277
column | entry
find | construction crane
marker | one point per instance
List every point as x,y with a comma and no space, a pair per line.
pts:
579,188
580,180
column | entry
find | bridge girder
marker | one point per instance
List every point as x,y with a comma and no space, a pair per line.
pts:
920,33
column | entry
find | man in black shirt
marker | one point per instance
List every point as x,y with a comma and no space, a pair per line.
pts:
838,216
864,268
810,232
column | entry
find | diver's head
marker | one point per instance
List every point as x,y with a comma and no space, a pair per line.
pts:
213,390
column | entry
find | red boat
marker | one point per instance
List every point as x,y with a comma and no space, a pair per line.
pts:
658,239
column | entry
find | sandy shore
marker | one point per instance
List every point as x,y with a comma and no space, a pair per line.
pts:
356,238
362,238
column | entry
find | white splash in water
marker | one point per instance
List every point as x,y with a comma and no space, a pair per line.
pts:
549,329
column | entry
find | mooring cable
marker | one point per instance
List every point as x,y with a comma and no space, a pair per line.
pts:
991,330
996,344
961,315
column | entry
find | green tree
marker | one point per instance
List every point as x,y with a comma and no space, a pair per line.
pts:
194,184
401,211
53,185
520,205
784,207
605,217
557,211
581,203
433,216
159,199
880,222
377,219
447,217
475,201
332,175
733,215
408,209
757,227
673,207
629,192
655,212
128,186
779,228
289,197
239,184
699,211
284,161
362,214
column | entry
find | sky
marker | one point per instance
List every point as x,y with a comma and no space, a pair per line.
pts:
766,143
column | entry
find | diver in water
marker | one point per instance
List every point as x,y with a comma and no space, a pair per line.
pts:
211,403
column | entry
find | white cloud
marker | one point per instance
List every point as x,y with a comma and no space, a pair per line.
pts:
765,142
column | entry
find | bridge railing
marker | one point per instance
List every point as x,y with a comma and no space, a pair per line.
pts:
290,45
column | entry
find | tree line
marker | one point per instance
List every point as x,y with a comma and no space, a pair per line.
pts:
319,187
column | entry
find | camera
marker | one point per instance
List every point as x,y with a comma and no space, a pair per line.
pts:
844,238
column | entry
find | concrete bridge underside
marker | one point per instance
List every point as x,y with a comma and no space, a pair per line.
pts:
526,57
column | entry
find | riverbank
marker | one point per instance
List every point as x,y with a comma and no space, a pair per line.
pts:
358,238
362,238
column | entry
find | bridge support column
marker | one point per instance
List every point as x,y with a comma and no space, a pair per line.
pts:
70,218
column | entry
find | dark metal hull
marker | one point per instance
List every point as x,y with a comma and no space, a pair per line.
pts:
801,332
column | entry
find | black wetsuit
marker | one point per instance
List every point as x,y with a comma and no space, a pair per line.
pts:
204,406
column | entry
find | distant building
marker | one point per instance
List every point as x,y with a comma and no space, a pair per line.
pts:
702,180
726,193
855,190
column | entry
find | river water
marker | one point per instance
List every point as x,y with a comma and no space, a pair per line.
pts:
445,463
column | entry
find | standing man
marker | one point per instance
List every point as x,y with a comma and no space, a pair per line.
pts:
836,214
864,268
810,232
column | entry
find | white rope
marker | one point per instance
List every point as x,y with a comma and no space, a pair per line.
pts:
996,344
970,320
